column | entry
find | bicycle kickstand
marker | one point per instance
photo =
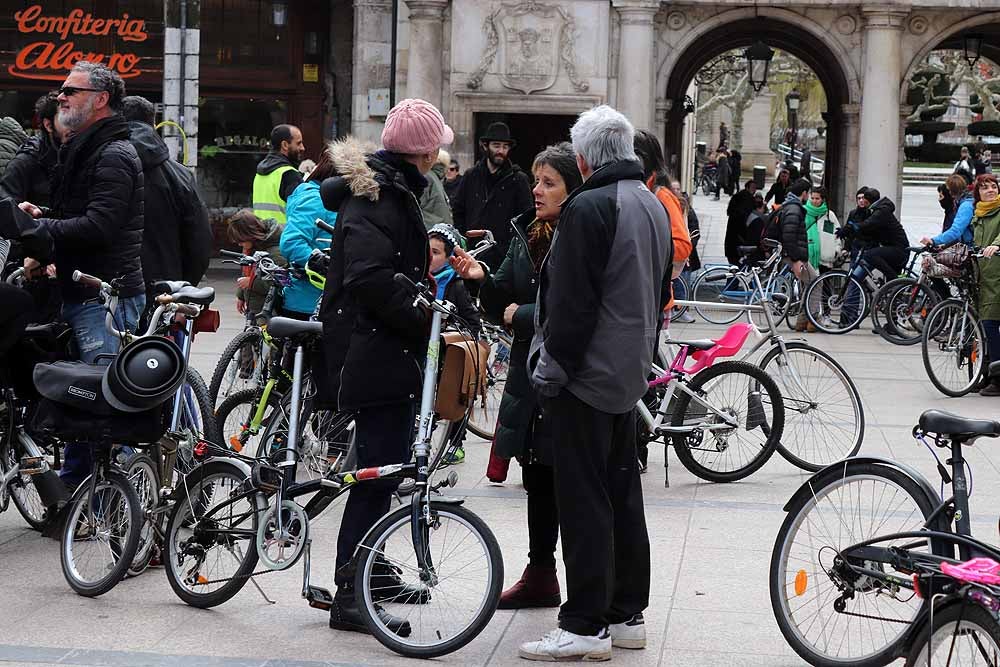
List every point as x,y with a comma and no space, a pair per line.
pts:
260,590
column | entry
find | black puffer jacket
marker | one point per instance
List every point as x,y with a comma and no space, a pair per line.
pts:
374,338
97,204
27,175
521,430
177,237
794,239
12,135
489,201
882,227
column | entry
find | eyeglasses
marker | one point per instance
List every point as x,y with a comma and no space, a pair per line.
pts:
70,91
452,168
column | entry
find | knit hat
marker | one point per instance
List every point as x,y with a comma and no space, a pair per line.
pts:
415,127
448,234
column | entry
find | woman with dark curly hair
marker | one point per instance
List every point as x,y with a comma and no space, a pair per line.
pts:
509,295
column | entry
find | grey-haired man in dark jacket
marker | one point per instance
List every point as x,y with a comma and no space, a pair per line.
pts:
603,288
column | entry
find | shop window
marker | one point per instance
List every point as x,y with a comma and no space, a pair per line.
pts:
242,33
234,135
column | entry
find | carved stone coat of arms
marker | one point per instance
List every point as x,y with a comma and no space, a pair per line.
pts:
528,41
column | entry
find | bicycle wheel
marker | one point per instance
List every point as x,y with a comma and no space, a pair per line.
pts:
829,614
907,310
824,417
233,417
483,418
197,418
717,286
740,391
836,303
325,438
953,347
239,367
458,591
101,534
211,535
960,634
141,473
22,488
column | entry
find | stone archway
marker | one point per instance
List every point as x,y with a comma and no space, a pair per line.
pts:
801,38
950,38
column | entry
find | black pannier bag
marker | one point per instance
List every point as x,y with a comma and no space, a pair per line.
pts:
73,408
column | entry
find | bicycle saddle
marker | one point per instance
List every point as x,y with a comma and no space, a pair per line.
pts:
700,344
955,426
286,327
169,286
201,296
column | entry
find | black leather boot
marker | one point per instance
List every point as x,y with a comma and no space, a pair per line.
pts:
345,614
388,586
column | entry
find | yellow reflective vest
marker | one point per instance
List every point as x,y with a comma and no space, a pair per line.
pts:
267,202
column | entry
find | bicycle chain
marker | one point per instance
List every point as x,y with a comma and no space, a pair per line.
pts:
241,576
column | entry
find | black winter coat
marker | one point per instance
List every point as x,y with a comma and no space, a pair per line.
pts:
739,208
96,218
794,239
694,229
177,238
521,430
882,227
27,175
374,339
490,201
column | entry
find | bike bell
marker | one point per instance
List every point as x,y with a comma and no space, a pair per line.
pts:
144,375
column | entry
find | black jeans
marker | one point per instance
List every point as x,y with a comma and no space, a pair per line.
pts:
604,538
543,517
384,435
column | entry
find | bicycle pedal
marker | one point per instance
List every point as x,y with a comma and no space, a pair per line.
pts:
33,465
319,598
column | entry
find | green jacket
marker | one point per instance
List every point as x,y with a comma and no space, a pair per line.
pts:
434,201
986,231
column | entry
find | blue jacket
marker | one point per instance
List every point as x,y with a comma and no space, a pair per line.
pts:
300,238
961,227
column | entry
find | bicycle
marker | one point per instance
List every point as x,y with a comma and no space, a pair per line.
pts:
824,415
720,286
258,519
483,419
841,573
953,342
906,302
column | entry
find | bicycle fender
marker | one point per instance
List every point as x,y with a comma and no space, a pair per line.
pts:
806,489
242,465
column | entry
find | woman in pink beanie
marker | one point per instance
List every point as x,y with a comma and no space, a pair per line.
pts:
373,336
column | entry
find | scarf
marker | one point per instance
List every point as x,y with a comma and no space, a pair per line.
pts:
985,208
442,278
540,240
814,213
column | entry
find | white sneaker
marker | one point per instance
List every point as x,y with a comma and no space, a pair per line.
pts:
560,645
683,318
630,634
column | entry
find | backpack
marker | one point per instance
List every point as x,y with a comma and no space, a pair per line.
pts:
771,229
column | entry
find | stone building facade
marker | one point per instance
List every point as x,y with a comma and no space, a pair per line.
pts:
539,62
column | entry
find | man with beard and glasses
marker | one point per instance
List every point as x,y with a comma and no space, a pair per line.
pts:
493,193
95,218
278,174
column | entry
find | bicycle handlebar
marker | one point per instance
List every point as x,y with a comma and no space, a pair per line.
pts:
325,227
89,280
230,253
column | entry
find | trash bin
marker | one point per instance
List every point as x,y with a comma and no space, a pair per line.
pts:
759,172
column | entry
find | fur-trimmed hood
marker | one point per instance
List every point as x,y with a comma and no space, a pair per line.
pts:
355,177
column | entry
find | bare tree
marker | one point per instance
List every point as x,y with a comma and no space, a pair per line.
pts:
950,68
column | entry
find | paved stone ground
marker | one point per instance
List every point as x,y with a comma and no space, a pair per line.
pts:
710,543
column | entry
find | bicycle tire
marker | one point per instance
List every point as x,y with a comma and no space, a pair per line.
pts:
796,410
245,399
253,337
709,287
127,543
759,453
831,294
959,619
789,579
939,334
22,490
183,517
907,309
373,548
141,472
338,441
483,417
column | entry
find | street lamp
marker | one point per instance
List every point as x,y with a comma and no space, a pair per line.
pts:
792,101
279,14
972,45
758,62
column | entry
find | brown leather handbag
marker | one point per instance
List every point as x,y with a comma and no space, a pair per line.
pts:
462,377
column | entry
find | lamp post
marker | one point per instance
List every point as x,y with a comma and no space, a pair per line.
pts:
972,46
792,101
279,14
758,62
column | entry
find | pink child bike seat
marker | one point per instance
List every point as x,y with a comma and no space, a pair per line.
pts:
977,570
728,345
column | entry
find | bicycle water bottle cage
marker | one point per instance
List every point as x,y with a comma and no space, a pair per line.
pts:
729,345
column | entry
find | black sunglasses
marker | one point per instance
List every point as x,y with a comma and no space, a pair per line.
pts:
70,91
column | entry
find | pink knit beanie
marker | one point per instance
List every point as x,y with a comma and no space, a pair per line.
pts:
415,127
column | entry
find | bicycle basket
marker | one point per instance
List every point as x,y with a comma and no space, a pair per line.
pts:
936,269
